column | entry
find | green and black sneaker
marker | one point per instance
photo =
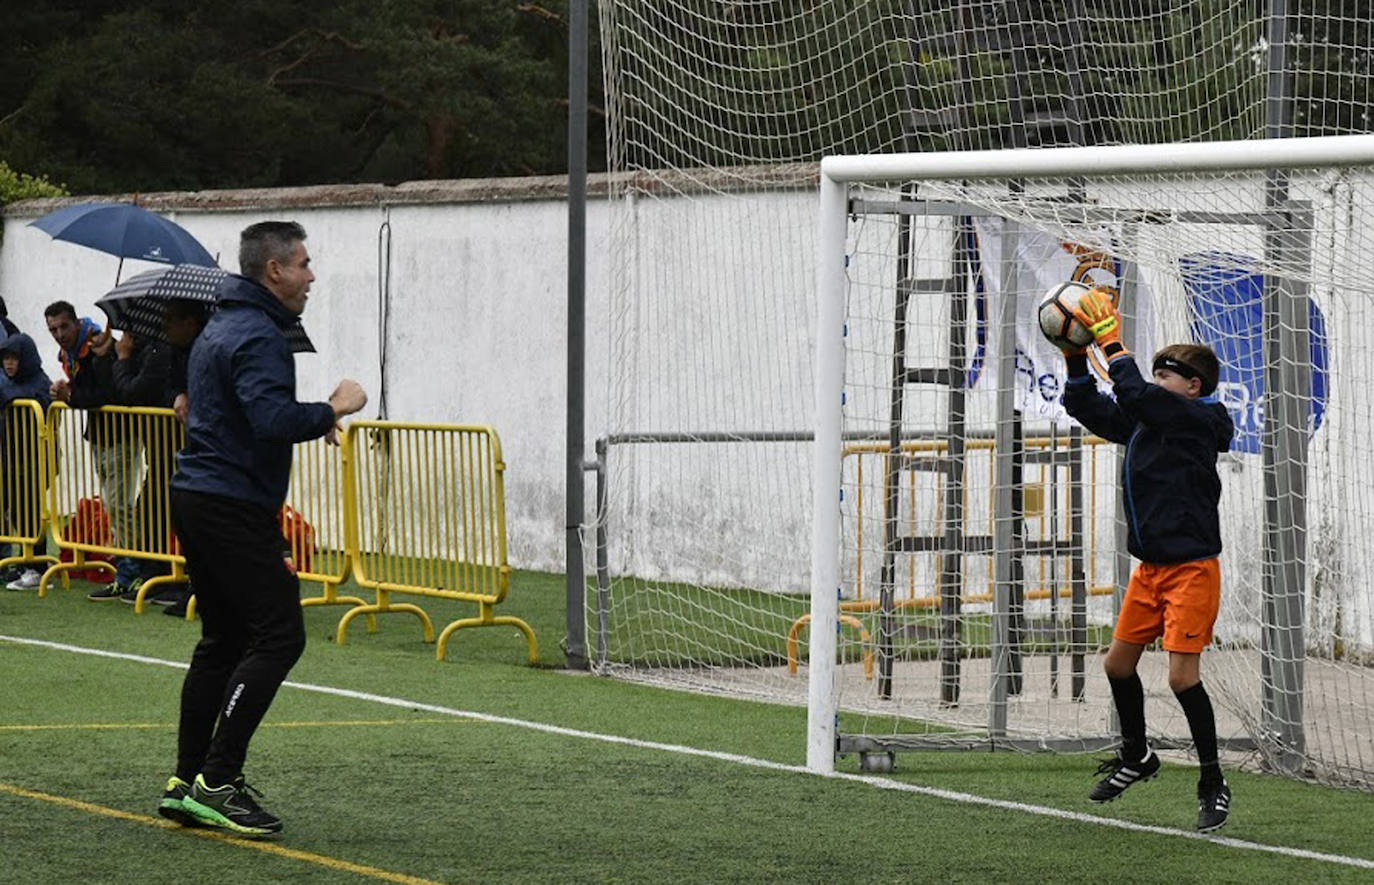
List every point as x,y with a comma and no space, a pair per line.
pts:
108,593
172,797
229,807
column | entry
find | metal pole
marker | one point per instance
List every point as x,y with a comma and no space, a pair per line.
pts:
1286,387
603,565
951,577
1078,581
1004,540
575,648
893,466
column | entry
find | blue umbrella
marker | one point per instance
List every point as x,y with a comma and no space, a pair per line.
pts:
127,231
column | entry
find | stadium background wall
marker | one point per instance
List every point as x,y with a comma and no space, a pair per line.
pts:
476,329
478,313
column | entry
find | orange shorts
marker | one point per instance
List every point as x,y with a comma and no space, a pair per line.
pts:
1178,602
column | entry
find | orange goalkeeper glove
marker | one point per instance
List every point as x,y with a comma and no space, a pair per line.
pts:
1096,311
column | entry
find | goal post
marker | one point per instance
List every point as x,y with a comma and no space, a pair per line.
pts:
825,565
1262,249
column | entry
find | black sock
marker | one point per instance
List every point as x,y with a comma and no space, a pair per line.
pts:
1197,706
1129,696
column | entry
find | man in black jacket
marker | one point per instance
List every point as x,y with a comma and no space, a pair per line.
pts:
182,321
142,376
232,478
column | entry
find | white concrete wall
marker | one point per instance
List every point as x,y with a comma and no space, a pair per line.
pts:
478,325
722,298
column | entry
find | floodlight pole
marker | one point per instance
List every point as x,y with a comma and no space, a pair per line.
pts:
575,646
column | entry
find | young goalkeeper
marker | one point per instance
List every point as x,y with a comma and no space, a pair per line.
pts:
1172,430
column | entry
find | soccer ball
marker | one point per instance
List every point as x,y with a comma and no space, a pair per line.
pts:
877,762
1056,316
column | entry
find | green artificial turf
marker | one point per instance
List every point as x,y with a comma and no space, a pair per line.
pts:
397,790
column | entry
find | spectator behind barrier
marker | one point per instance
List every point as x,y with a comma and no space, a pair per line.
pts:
87,357
22,378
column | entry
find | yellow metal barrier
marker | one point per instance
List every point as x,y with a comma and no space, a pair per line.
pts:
315,520
316,523
123,456
24,483
1035,505
865,638
429,520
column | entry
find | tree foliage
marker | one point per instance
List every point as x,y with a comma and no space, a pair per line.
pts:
22,186
185,94
168,94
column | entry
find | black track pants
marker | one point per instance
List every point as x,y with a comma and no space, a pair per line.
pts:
252,631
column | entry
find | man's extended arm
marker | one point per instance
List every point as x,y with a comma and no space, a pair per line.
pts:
264,383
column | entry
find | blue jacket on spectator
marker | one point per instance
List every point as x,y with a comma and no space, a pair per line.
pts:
244,417
30,382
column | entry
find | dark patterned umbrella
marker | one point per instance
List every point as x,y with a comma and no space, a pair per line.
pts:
137,304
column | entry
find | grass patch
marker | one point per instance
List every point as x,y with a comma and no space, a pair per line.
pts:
673,625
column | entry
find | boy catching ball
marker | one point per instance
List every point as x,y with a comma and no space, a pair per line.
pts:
1172,429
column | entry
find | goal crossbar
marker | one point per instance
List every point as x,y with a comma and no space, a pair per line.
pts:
1216,156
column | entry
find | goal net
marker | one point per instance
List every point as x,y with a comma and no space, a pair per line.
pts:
699,549
982,537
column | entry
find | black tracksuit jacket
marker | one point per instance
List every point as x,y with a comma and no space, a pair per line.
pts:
1169,475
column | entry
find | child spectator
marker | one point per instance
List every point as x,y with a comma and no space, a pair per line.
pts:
23,378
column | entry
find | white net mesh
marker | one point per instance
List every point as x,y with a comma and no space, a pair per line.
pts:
1193,262
716,115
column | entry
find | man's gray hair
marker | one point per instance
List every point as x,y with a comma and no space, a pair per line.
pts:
267,240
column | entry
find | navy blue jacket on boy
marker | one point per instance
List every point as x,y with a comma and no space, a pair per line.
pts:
30,382
1169,475
244,416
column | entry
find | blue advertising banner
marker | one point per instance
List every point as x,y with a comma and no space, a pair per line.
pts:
1224,299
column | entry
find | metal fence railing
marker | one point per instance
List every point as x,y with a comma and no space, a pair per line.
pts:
403,510
430,521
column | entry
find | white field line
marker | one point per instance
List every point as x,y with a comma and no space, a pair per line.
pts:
734,758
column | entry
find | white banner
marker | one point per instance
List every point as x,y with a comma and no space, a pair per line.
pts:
1042,261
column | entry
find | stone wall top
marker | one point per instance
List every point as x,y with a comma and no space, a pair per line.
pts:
801,176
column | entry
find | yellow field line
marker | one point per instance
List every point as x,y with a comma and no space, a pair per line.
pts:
114,726
332,863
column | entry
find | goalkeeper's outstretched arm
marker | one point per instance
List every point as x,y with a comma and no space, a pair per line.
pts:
1092,408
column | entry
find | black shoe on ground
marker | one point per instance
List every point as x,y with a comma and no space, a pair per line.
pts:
130,594
108,593
1213,806
171,807
1121,774
229,807
163,595
176,607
